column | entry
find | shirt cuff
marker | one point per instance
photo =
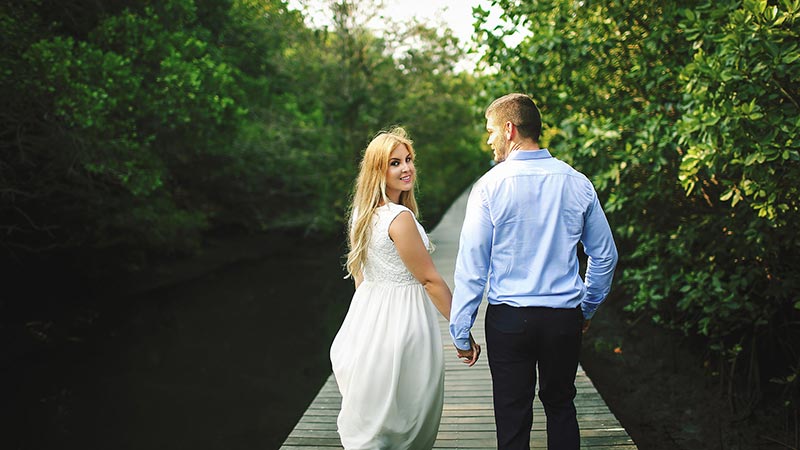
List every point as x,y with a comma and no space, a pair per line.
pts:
462,344
588,312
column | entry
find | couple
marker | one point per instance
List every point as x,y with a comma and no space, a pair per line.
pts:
523,222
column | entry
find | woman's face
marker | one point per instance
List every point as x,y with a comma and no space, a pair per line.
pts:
401,172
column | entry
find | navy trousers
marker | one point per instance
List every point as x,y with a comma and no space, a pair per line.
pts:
518,342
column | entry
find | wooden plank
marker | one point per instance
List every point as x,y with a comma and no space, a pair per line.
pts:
468,416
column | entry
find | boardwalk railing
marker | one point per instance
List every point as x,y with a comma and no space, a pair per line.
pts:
468,416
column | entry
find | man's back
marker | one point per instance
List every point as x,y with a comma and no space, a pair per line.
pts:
537,206
527,216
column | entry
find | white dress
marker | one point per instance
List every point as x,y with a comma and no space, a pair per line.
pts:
387,357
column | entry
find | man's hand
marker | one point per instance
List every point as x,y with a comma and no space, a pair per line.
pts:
586,323
470,357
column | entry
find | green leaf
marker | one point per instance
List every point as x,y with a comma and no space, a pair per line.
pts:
791,57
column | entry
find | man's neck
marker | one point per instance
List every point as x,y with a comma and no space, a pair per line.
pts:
523,145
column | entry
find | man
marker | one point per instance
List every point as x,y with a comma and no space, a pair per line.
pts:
521,230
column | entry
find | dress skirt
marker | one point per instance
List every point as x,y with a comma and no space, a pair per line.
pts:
387,360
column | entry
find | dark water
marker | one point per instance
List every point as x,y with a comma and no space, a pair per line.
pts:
229,360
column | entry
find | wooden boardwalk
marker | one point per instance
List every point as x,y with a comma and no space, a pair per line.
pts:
467,419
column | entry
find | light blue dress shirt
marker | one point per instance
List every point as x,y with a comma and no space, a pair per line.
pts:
521,230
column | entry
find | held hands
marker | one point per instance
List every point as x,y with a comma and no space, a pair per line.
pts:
470,357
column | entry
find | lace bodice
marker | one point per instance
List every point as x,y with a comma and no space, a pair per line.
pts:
383,262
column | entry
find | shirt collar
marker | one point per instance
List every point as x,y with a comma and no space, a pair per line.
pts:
529,154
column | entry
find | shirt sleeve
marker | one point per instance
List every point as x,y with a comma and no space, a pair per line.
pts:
598,244
472,267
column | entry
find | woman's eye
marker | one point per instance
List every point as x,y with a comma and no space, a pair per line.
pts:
394,163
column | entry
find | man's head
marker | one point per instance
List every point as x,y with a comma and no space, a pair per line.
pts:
512,118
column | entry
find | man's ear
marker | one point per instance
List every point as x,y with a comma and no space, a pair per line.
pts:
509,130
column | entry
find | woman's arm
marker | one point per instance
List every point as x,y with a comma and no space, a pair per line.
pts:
403,231
415,256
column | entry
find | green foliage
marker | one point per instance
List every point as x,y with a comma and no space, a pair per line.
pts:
686,118
138,127
359,83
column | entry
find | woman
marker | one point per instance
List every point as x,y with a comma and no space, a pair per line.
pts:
387,356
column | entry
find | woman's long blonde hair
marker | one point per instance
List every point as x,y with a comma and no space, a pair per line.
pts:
370,193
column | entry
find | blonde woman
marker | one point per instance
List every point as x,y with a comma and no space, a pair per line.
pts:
387,356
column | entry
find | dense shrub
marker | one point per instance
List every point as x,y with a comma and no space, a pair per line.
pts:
135,128
686,118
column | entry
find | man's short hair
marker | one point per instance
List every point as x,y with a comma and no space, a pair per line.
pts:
520,110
